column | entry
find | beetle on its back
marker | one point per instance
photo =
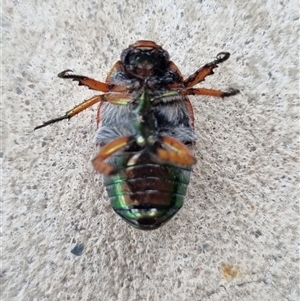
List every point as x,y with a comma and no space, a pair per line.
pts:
145,128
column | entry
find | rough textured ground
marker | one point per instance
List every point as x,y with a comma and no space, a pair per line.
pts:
236,237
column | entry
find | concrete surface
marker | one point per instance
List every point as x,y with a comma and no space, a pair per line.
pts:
236,237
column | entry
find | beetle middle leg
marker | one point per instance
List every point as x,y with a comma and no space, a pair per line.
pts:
117,94
114,98
196,91
208,92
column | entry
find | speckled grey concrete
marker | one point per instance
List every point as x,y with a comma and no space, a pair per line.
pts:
236,237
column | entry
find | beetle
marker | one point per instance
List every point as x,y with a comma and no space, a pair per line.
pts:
145,131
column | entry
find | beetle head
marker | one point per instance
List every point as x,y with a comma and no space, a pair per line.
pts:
144,59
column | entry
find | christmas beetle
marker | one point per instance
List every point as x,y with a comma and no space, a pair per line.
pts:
145,131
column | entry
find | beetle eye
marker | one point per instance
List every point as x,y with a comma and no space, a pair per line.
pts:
124,54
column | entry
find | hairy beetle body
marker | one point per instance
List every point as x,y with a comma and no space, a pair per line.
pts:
145,131
146,192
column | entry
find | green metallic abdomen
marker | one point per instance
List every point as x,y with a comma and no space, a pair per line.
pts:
146,193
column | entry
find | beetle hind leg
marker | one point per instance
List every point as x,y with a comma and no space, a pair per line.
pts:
175,152
108,150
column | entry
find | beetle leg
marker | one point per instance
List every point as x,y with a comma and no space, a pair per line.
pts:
195,91
108,150
209,92
178,153
206,70
115,98
92,83
77,109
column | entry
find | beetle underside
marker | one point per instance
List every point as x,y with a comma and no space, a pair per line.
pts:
145,130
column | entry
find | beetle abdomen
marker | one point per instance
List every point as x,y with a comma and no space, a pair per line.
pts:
147,193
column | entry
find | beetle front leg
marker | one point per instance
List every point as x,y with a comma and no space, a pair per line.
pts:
206,70
92,83
108,150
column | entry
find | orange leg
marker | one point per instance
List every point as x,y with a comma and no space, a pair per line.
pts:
92,83
108,150
84,105
209,92
206,70
178,153
195,91
115,98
